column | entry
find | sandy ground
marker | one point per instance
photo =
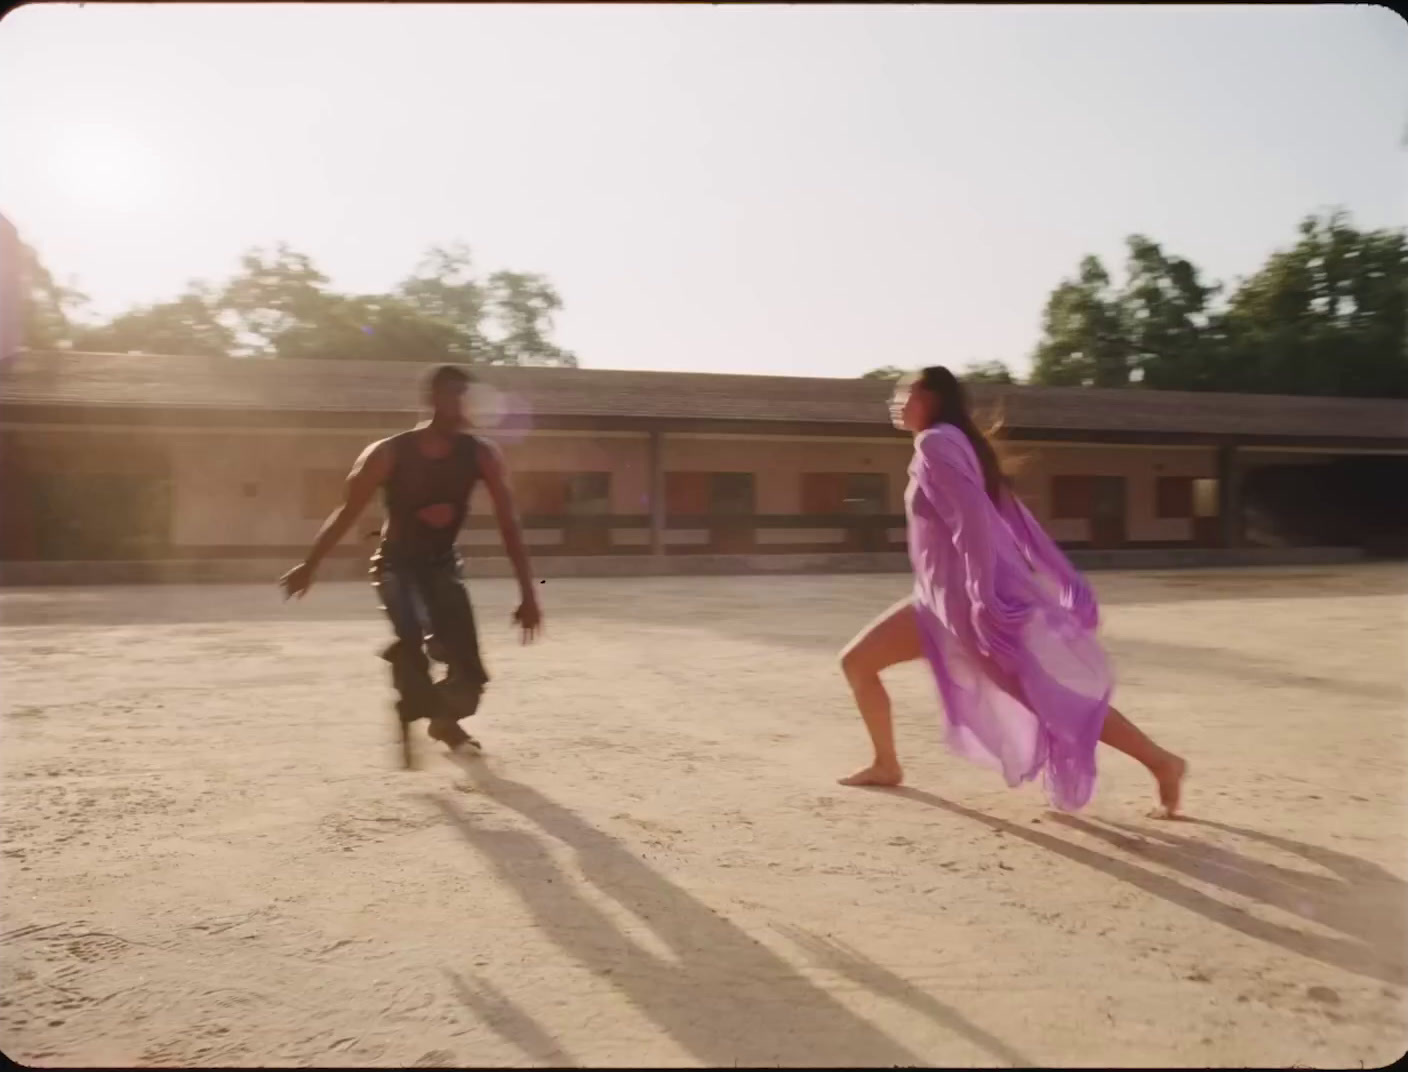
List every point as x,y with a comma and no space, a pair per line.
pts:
210,856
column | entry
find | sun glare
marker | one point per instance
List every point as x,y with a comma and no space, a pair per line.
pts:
105,169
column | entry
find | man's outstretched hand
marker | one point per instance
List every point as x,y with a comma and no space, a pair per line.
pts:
529,618
297,581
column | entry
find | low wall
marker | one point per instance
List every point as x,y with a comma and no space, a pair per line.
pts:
247,571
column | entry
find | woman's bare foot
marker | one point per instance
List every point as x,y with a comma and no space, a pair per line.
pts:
876,774
1170,774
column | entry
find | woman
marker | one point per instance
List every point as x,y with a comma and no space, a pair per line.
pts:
1000,614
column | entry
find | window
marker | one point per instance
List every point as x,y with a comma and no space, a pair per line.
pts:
1205,496
823,493
1070,498
865,493
540,494
588,493
556,494
1173,497
731,493
701,494
686,494
844,493
322,491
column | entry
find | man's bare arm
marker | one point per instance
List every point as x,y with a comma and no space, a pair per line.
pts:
368,473
492,466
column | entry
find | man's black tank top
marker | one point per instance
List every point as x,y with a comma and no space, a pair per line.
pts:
417,482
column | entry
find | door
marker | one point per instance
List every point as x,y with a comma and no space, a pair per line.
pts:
1207,514
588,505
731,508
686,507
1107,512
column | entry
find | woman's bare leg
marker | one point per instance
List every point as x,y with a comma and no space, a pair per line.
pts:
1168,769
892,638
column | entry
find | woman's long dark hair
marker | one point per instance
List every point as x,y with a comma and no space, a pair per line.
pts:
952,408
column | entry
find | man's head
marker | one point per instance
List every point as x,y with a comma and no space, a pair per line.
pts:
444,388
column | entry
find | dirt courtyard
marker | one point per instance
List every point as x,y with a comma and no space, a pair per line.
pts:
210,856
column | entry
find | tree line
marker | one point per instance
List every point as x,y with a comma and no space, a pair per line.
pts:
1326,316
279,305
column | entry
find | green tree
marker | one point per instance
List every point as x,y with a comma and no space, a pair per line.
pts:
1164,310
277,295
520,308
1328,316
444,290
884,372
1083,340
47,307
366,328
281,307
987,372
190,325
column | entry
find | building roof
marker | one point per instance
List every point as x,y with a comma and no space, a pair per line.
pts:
143,382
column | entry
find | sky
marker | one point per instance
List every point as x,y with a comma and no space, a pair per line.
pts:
806,190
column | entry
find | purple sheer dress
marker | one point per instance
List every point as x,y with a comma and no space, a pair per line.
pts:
1007,624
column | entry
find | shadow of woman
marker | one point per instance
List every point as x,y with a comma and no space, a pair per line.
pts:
722,996
1369,914
1365,903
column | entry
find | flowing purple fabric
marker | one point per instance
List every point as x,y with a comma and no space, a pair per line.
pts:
1007,624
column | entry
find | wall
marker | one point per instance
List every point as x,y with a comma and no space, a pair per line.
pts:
236,489
11,305
247,489
253,571
241,493
211,472
780,463
1140,466
626,456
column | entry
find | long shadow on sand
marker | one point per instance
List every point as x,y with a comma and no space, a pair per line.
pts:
721,995
1362,901
854,965
1235,666
811,625
510,1022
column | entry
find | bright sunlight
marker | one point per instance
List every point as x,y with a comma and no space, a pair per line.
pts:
97,167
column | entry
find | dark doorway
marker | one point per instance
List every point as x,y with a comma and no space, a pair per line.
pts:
95,516
1107,512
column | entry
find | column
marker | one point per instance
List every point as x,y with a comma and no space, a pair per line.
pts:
1229,492
657,492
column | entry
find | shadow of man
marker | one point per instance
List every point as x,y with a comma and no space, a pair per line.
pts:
854,965
509,1022
721,995
1373,913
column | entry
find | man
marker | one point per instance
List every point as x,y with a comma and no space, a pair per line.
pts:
427,475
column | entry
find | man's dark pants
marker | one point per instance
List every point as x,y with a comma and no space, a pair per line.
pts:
417,591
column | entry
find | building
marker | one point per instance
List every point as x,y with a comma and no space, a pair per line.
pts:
131,458
11,330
